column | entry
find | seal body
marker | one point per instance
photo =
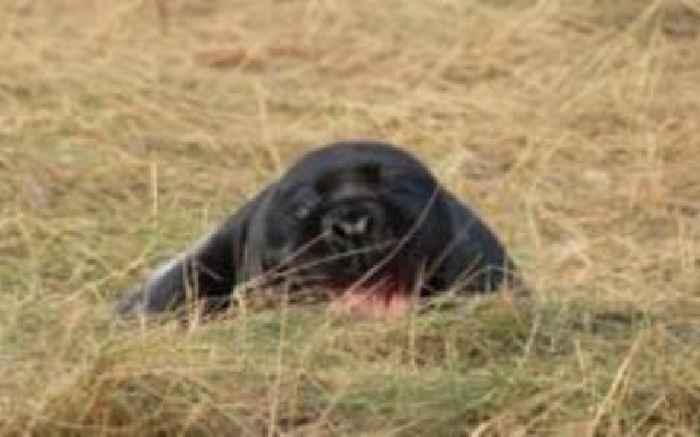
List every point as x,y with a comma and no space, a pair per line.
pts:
365,220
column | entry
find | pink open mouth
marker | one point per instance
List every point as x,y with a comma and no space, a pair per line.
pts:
385,299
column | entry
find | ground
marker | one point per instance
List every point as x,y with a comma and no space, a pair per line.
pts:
128,129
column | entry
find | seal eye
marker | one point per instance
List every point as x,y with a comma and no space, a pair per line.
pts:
302,212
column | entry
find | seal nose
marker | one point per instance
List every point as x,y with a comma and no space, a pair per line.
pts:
350,227
354,230
348,223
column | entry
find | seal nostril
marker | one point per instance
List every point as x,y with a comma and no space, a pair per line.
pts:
353,226
362,225
338,229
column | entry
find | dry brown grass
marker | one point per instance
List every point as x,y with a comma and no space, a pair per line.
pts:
128,128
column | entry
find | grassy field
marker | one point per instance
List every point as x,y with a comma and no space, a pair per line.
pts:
127,129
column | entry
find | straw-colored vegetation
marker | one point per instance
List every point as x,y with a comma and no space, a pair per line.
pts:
128,128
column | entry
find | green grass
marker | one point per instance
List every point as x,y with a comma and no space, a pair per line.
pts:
129,129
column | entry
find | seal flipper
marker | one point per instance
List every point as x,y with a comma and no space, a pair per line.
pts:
475,261
207,271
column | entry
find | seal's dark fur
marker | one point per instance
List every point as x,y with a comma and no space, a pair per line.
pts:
345,215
